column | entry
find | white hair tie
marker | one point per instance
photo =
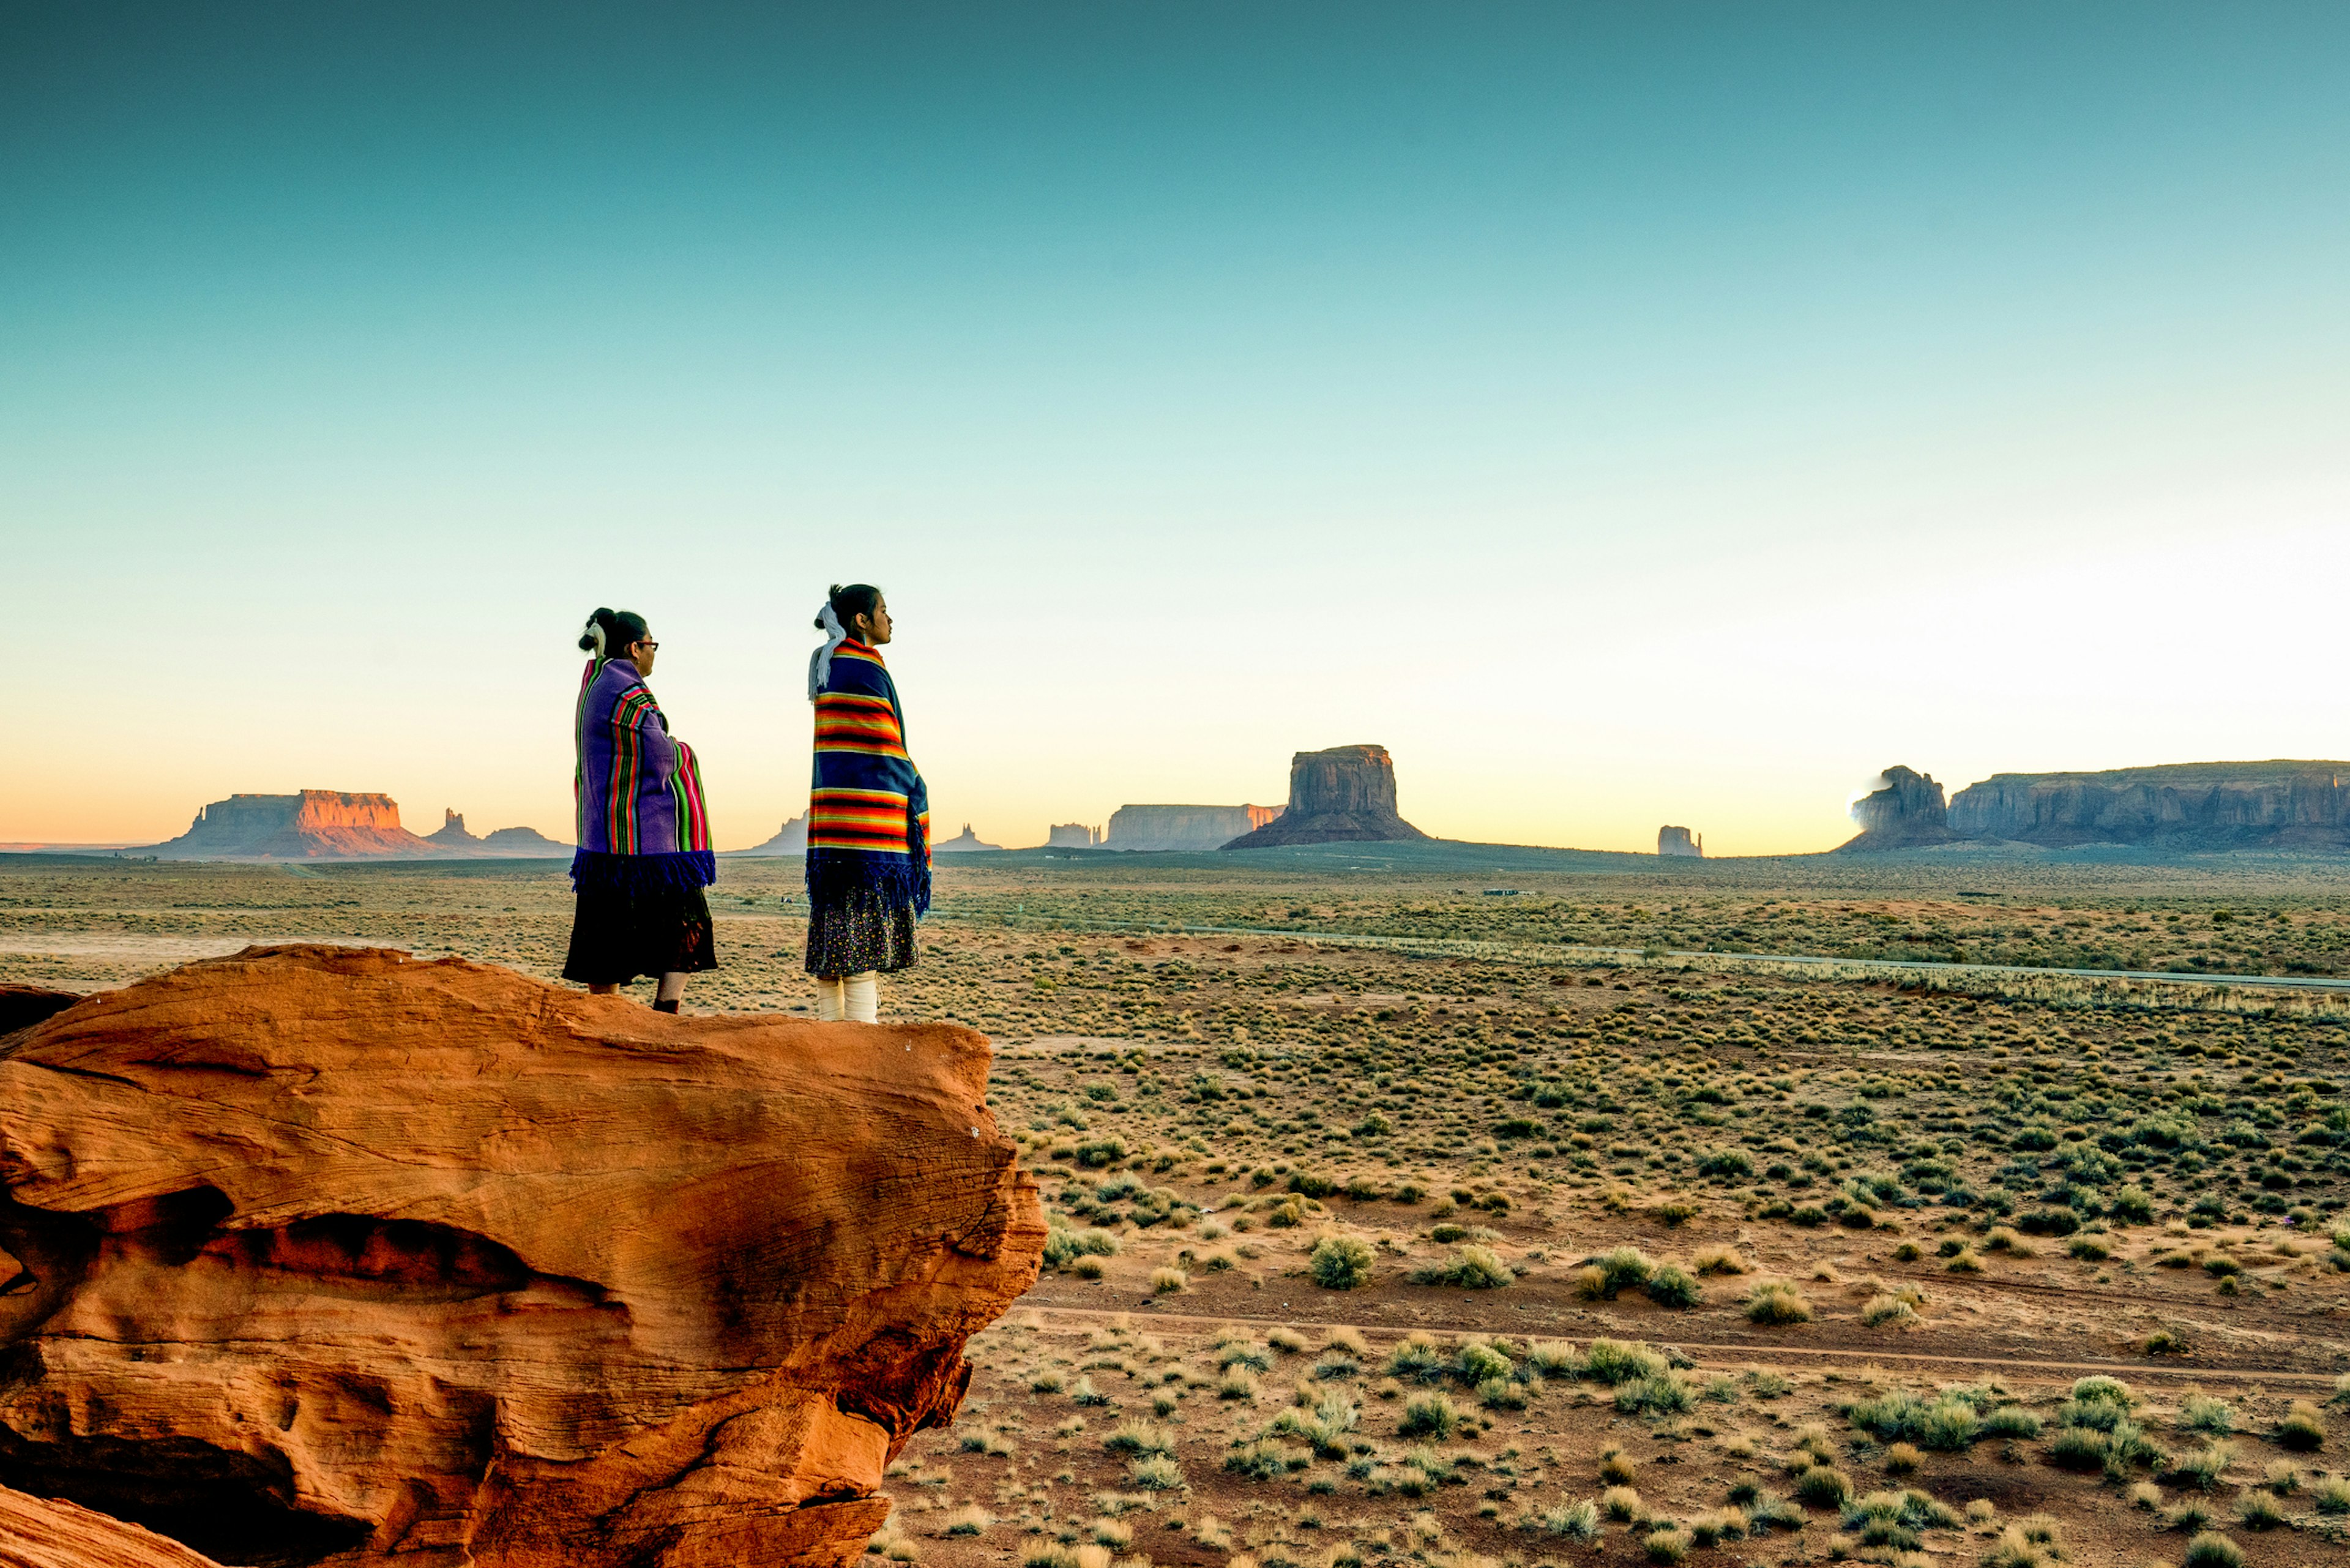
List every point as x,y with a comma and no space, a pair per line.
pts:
595,628
820,661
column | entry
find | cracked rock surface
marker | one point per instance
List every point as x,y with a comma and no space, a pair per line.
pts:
321,1255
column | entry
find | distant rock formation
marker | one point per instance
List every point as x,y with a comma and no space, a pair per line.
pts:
330,1256
1071,836
453,834
1905,811
521,843
1680,841
1183,827
1344,796
316,825
963,843
2188,806
790,839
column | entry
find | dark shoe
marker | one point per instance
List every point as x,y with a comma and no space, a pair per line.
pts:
669,1006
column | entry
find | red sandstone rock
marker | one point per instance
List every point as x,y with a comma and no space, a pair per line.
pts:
1345,794
316,825
333,1256
38,1532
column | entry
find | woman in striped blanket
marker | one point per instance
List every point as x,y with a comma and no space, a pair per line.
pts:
869,843
644,835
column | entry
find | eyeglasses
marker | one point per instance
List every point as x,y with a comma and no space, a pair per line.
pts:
648,644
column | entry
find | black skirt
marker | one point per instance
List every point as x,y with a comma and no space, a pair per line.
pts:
860,931
617,936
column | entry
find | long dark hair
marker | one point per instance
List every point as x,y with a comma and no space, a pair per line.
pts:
848,603
622,630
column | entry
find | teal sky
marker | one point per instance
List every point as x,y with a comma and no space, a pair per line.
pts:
1627,414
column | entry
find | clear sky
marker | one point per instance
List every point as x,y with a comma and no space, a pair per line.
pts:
1626,413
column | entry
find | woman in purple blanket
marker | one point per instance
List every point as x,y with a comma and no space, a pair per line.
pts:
644,835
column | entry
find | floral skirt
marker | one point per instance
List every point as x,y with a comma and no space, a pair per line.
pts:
617,936
862,931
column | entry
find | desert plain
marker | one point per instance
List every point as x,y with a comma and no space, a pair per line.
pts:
1413,1204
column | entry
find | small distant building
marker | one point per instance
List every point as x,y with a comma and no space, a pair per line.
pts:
1680,841
1072,836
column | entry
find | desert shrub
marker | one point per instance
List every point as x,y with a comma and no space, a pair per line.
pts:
1712,1528
1721,1261
1622,1504
1139,1438
1237,1384
1109,1532
1260,1460
1472,1267
1324,1428
1340,1262
2201,1413
2332,1495
2131,1207
2188,1514
1667,1545
1553,1358
2077,1448
1417,1360
1578,1521
1156,1472
1964,1261
1777,1302
1767,1511
2016,1548
1886,1307
1476,1361
1617,1466
1622,1267
1892,1518
1823,1486
1167,1282
2303,1430
1901,1458
1668,1394
1287,1340
2259,1510
2202,1467
2089,1249
1613,1362
1728,1163
1501,1393
2211,1550
969,1519
1672,1286
1085,1393
1428,1415
2011,1422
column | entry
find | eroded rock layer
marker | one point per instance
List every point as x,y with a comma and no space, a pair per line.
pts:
41,1533
1905,811
324,1255
1345,794
2186,806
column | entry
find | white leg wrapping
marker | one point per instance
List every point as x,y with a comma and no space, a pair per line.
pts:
830,1003
864,1000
